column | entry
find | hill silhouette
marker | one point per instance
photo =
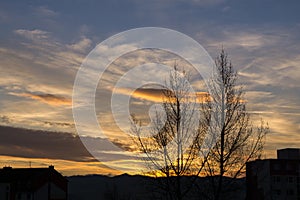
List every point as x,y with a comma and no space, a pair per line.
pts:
136,187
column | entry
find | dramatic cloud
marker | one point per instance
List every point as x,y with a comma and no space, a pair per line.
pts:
43,45
42,144
39,144
36,144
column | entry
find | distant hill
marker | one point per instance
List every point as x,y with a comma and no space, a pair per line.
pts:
127,187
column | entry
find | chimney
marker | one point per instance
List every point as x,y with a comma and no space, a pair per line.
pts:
51,167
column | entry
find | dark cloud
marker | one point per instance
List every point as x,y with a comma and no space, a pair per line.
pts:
42,144
30,143
59,124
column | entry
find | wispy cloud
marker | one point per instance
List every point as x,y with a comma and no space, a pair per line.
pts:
50,99
41,73
81,46
32,34
45,11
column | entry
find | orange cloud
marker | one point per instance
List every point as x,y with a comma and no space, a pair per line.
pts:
50,99
156,95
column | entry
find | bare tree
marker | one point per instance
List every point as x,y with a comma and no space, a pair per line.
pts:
176,145
171,143
237,141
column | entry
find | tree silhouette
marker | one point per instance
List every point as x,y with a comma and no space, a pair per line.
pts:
176,145
237,140
172,149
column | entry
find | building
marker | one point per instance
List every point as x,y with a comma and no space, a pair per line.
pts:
32,184
272,179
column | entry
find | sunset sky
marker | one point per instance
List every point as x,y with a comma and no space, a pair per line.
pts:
43,43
